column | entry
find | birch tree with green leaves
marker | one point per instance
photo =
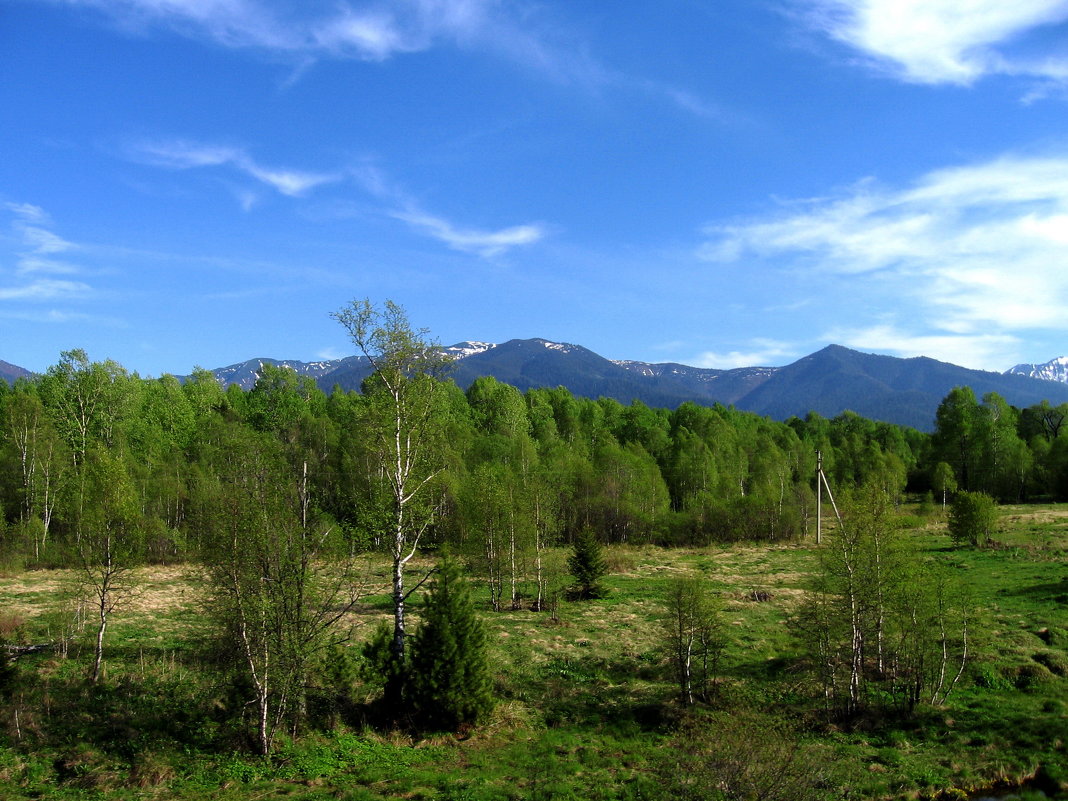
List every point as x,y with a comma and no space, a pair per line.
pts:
401,425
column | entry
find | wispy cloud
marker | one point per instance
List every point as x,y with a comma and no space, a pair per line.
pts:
970,349
760,352
482,243
31,224
523,32
59,316
46,289
182,155
946,41
371,30
331,353
35,246
967,254
485,243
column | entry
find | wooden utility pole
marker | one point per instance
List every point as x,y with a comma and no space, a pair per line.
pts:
821,484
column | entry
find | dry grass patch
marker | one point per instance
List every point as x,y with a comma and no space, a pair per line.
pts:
33,593
162,591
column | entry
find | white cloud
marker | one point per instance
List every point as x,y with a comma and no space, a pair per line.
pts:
332,353
288,182
976,351
27,212
60,316
189,155
946,41
37,244
41,240
373,35
972,253
33,258
33,264
761,352
523,32
483,243
180,154
370,30
46,289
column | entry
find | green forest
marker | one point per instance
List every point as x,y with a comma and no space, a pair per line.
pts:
419,591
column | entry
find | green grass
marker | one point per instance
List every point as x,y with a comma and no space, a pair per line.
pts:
587,705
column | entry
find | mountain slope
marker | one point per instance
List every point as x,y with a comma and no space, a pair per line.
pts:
725,386
12,372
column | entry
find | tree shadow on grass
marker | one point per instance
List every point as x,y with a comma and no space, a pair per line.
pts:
1049,592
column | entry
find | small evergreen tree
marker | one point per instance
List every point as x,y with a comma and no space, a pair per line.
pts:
972,518
587,565
381,669
448,680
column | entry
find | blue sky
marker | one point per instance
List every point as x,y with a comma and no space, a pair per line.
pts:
720,183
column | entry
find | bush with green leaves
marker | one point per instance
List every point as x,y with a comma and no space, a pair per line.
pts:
972,518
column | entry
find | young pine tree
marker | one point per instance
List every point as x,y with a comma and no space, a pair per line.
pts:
448,680
587,565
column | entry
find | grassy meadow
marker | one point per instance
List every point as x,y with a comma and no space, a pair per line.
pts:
588,708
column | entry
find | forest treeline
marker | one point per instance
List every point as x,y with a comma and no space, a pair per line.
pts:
88,442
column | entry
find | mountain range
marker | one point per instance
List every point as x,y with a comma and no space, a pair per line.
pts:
830,381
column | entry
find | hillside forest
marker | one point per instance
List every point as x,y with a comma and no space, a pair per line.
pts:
485,501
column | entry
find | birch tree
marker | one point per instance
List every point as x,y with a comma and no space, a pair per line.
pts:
695,637
878,621
276,603
401,400
108,548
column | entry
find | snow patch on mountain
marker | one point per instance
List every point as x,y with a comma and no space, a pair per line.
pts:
705,374
461,350
641,368
563,347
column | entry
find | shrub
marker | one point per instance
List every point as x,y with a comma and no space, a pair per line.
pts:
972,518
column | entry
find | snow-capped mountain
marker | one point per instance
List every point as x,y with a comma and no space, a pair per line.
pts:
1053,370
